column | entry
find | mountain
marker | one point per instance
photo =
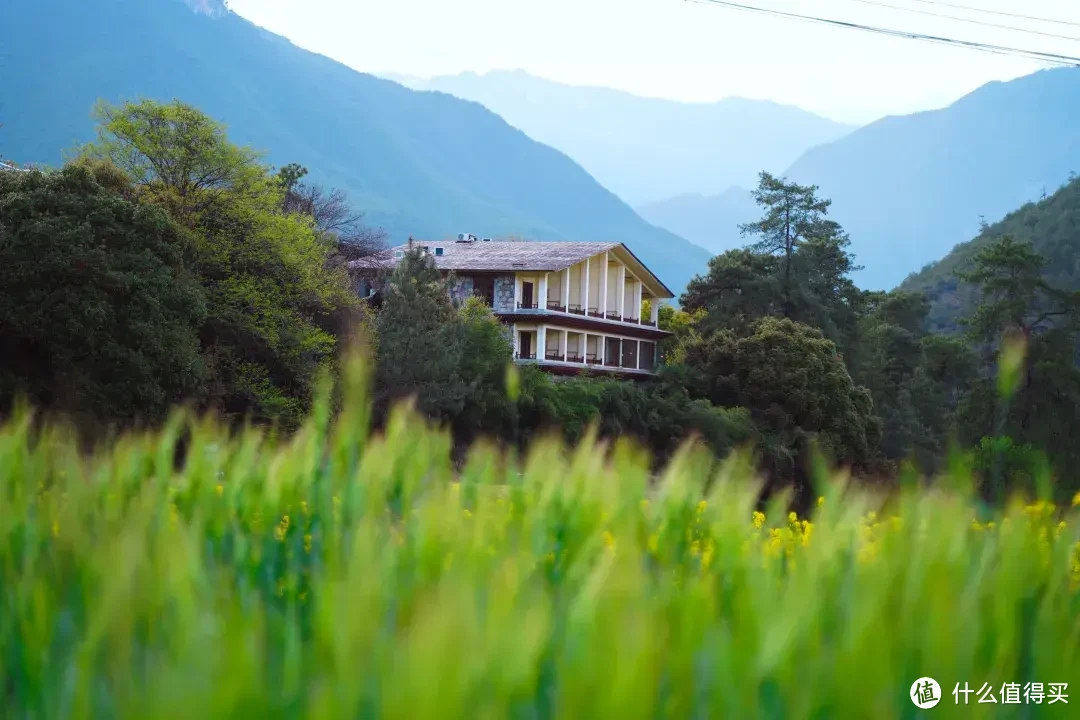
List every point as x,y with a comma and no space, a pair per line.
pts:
909,188
1052,225
709,221
419,163
647,149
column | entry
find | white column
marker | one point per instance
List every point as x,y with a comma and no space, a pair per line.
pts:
514,337
585,291
566,290
541,302
637,299
517,291
601,348
637,357
654,310
621,283
585,347
565,344
604,287
541,342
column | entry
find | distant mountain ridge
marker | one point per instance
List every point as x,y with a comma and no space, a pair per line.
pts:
422,164
709,221
646,149
909,188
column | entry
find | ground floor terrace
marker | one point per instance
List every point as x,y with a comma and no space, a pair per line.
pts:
573,350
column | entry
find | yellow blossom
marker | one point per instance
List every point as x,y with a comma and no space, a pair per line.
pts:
759,519
219,489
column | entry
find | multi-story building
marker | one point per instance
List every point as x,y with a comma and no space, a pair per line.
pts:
570,306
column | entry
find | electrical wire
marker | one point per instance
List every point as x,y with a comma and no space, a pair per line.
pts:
972,21
1052,58
1000,13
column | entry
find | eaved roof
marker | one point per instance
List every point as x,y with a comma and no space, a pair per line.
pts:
513,256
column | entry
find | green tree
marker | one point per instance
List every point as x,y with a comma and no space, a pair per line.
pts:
420,343
796,387
1043,410
486,352
793,215
277,306
99,313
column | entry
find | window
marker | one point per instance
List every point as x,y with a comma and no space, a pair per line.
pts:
438,251
398,254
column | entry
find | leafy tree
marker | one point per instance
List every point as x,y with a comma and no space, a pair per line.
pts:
1009,275
1016,300
276,306
796,387
660,415
420,344
99,313
793,215
486,352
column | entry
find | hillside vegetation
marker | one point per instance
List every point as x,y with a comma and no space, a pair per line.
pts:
423,164
1051,225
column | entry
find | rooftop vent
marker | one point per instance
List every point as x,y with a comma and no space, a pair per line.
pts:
466,237
486,240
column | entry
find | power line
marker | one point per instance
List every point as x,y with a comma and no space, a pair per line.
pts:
1053,58
957,18
1000,13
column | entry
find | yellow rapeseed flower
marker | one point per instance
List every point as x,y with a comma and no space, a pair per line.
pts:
219,489
759,519
1076,500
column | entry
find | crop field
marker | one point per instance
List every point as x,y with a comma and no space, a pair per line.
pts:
341,573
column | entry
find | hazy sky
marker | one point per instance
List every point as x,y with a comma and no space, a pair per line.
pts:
683,50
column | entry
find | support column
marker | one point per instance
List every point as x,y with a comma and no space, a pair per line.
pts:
565,344
585,288
621,283
604,287
654,311
541,343
585,347
541,302
601,348
517,291
637,300
566,289
637,357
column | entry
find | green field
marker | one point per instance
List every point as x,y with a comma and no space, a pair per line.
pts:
338,573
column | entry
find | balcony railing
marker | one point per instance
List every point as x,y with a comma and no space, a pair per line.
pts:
553,355
575,310
574,358
527,306
554,305
595,312
524,356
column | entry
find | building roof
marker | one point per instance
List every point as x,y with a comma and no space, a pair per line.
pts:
513,256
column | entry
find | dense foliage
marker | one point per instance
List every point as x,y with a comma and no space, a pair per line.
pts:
99,312
872,384
344,574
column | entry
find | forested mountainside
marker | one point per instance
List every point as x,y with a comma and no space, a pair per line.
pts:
423,164
1051,225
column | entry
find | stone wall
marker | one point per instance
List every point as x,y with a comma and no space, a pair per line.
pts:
461,289
504,293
